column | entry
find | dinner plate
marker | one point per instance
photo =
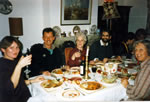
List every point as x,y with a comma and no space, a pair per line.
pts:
93,29
70,94
51,85
76,29
75,68
57,31
132,71
74,72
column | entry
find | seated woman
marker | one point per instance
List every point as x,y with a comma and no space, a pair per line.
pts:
12,85
78,53
140,90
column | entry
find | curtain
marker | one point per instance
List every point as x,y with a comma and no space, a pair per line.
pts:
148,17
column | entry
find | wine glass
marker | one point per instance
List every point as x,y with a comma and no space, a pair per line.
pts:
94,71
63,68
26,70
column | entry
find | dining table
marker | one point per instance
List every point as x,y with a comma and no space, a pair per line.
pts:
70,91
70,86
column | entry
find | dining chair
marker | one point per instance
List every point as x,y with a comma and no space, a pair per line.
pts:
67,52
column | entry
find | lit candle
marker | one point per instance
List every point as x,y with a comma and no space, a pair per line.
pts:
87,51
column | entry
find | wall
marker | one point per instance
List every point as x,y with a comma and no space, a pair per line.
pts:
138,13
38,15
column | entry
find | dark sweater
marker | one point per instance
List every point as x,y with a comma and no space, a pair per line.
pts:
101,52
42,60
7,92
123,50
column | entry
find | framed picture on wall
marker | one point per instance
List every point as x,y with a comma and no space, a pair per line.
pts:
76,12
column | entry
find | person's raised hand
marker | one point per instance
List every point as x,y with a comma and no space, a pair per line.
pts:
24,61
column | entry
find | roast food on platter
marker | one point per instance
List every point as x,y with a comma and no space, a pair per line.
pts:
76,80
70,94
90,85
51,83
57,71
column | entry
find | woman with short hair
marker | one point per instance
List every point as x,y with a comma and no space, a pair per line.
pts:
78,53
141,88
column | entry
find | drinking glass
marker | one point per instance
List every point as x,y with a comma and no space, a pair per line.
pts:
94,71
63,68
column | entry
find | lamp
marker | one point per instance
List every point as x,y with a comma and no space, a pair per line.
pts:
15,26
110,12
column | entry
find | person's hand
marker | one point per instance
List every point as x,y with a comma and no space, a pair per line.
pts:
37,79
76,54
24,61
92,62
47,73
67,67
119,58
124,82
105,60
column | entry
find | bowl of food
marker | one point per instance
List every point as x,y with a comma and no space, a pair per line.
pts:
109,79
90,85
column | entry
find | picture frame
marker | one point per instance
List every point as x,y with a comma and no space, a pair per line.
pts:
76,12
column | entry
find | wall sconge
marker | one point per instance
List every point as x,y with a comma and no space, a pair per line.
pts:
15,26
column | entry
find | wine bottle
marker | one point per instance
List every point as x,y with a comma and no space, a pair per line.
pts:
82,67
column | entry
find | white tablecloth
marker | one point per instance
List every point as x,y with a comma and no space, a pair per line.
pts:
112,92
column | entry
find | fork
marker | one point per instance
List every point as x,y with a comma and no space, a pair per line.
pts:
79,91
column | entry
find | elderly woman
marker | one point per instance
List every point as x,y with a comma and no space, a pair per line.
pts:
12,85
78,53
141,88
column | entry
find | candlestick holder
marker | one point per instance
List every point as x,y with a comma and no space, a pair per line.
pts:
86,65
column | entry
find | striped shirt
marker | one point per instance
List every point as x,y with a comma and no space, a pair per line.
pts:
141,88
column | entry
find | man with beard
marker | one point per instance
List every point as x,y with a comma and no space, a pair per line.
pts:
101,49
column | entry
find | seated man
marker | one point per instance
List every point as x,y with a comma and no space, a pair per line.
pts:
101,49
125,47
45,57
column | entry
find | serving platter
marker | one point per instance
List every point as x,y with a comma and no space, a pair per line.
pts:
90,85
51,85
